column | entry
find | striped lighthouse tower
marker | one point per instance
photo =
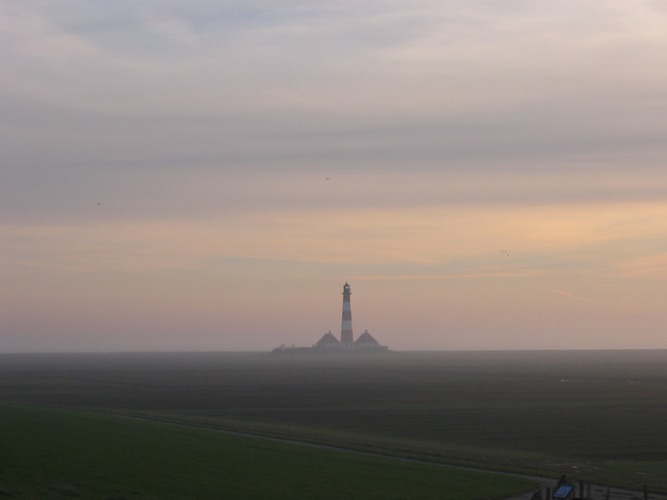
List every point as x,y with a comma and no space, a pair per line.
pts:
346,336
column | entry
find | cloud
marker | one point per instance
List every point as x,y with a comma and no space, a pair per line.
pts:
389,140
433,82
652,266
581,298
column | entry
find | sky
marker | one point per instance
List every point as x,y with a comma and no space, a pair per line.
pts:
206,175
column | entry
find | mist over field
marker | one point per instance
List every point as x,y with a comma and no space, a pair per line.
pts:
596,416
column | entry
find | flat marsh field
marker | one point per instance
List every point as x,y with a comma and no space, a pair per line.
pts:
54,453
599,416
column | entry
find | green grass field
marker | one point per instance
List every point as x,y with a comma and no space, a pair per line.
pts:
52,453
597,415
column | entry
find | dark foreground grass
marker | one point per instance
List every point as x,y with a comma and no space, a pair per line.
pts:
52,453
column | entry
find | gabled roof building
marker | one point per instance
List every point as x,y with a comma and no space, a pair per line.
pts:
366,341
328,341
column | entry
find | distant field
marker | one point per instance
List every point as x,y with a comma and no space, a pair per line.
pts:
598,415
52,453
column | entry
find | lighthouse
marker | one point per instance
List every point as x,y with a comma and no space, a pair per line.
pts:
329,343
346,336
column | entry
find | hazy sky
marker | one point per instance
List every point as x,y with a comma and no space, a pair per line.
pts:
208,174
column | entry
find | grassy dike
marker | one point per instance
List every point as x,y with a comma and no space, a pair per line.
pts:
53,453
